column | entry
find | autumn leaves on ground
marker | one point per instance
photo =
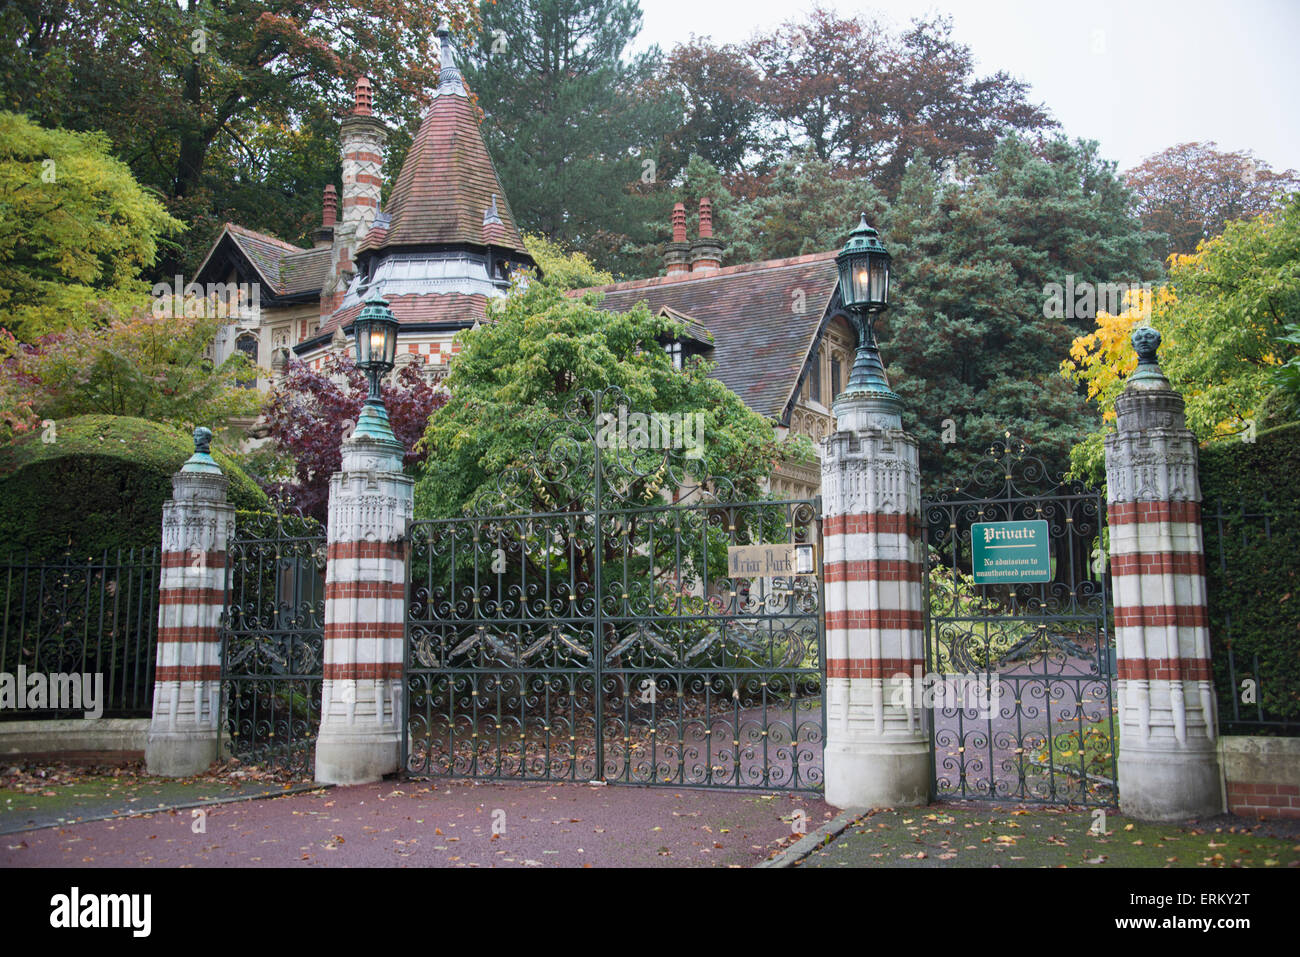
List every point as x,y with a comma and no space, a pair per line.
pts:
467,824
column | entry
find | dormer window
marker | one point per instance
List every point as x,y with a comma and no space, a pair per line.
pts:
674,350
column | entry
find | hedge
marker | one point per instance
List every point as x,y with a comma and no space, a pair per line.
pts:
99,485
1252,571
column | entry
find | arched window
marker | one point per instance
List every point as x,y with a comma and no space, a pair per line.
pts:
247,344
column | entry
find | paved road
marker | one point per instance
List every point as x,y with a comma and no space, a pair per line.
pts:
419,824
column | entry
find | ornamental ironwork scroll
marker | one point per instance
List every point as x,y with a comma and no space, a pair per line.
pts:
1021,673
273,627
579,622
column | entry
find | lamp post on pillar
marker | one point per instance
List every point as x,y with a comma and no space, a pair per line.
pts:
370,510
877,745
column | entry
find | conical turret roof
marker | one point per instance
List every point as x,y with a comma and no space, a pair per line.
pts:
448,188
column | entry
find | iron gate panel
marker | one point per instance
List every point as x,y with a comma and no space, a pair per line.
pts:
1050,735
605,640
273,640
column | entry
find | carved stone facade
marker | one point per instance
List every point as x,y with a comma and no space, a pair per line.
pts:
877,747
370,510
196,529
1168,764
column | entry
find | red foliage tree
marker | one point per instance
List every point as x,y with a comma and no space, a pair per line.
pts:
310,412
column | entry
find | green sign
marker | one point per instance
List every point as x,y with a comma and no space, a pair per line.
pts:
1005,552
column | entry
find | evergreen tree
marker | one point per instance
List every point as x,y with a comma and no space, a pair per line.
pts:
969,337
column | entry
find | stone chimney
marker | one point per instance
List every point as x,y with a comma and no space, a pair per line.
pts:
362,138
706,252
324,233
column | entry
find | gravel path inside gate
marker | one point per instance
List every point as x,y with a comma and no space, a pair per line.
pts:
423,824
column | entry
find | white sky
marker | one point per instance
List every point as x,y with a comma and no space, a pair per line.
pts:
1137,75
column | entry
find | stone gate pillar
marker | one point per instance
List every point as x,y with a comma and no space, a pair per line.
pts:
877,750
196,528
1168,767
370,508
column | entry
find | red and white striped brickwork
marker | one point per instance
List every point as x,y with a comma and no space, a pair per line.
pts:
370,510
877,744
196,529
362,139
1167,764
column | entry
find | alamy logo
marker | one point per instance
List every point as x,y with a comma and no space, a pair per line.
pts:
54,692
658,430
216,300
74,910
1085,300
977,693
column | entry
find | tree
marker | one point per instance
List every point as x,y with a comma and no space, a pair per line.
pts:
971,343
563,268
721,119
865,99
576,143
196,96
808,206
537,352
1192,190
309,413
1223,320
76,229
146,367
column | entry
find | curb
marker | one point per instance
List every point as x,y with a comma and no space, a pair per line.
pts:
162,808
832,829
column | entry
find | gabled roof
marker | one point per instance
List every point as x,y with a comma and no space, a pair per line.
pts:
448,191
764,318
285,269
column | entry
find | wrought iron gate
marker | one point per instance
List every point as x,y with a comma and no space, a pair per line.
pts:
1021,674
602,636
273,640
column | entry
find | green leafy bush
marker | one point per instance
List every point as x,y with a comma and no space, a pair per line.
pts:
1251,520
98,483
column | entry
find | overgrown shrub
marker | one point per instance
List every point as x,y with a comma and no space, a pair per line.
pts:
98,483
1251,520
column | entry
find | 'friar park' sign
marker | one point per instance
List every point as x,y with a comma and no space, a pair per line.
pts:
1005,552
771,561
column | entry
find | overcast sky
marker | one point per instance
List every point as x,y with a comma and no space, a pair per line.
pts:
1137,75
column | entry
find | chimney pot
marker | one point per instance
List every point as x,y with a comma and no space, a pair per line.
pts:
706,218
362,97
679,223
331,209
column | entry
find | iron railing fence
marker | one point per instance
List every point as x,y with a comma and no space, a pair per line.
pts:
1253,585
96,617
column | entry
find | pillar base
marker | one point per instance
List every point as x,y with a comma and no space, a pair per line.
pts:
361,757
884,773
179,754
1161,785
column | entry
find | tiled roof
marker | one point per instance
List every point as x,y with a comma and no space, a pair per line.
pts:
446,186
453,308
761,338
289,270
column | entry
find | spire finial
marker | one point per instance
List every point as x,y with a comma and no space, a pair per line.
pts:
449,78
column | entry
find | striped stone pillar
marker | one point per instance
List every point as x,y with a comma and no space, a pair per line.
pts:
1168,766
197,525
877,749
370,510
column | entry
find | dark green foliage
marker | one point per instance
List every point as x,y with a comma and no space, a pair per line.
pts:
1251,519
99,485
966,338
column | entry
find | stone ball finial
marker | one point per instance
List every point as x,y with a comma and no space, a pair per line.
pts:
1146,341
202,440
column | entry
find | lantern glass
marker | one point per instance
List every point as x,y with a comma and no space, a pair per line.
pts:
864,270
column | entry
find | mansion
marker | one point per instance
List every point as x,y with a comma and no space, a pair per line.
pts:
446,241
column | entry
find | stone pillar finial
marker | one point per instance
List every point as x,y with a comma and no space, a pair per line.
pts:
1168,763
